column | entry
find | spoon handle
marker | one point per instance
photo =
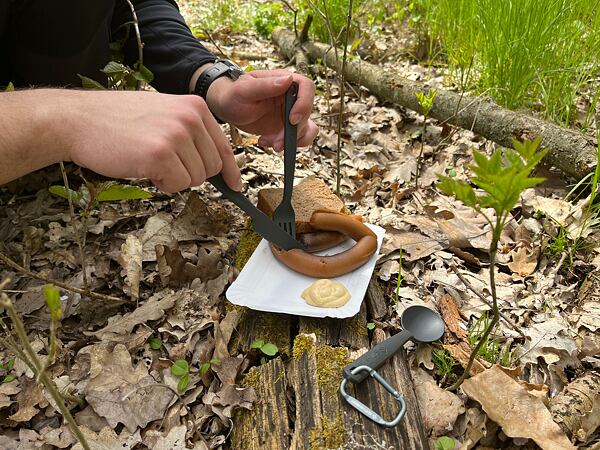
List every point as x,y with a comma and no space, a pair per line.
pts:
377,356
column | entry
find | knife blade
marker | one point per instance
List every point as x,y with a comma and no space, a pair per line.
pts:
260,221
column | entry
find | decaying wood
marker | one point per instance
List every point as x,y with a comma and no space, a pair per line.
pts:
376,301
571,152
315,416
577,408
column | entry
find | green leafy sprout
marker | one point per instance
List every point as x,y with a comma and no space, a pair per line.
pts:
500,179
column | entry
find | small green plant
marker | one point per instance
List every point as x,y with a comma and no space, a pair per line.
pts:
370,326
205,367
444,365
155,343
5,368
120,77
267,348
500,179
426,103
445,443
399,279
181,369
490,350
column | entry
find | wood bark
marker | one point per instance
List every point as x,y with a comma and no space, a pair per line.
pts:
575,154
298,410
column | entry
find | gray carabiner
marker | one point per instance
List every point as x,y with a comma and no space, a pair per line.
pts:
364,409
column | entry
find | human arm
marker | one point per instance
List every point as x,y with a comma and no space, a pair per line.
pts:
172,140
253,103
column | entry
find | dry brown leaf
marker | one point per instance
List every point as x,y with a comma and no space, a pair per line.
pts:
31,399
524,260
122,393
549,339
131,260
174,440
414,245
228,369
107,439
152,309
451,314
176,271
6,390
440,408
198,220
223,331
462,352
518,412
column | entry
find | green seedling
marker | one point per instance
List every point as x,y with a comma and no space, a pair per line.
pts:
444,365
155,343
205,367
445,443
426,103
120,77
267,348
6,368
500,179
181,369
370,326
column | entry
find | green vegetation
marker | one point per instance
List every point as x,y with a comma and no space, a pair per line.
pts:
490,349
524,53
445,443
181,369
444,365
500,179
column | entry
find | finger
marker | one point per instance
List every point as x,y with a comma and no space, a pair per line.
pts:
308,135
255,89
174,177
229,168
306,91
193,163
206,148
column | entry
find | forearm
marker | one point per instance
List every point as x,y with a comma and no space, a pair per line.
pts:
29,138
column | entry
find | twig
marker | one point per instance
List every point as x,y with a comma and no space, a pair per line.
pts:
468,284
140,44
36,364
80,243
216,44
342,100
84,292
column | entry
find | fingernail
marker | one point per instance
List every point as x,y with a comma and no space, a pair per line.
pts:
295,119
280,81
278,146
239,185
263,142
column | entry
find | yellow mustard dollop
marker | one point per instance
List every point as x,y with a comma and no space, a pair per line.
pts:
326,294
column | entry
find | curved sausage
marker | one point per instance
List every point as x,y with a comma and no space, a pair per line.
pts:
334,265
316,241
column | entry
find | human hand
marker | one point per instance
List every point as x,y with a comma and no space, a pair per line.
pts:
254,103
171,139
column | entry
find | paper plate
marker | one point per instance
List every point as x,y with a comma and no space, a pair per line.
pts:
267,285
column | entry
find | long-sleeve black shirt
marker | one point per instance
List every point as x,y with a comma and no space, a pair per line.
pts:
50,42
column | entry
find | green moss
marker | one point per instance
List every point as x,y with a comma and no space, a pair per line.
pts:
304,343
272,328
332,436
249,240
330,362
252,378
358,325
313,325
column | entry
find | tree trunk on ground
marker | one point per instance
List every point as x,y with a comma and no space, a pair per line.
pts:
299,406
573,153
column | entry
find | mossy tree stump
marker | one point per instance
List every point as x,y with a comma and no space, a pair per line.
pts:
299,405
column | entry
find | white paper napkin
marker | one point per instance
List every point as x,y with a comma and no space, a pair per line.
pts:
267,285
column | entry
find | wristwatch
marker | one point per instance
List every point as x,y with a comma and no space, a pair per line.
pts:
221,67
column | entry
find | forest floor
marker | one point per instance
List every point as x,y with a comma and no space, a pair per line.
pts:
170,259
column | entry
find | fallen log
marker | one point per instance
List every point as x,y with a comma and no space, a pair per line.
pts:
575,154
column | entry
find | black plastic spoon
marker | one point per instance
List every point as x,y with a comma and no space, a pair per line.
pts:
419,323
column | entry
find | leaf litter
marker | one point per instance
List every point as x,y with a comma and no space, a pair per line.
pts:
171,258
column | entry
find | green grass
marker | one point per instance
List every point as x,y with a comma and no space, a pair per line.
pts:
491,350
526,53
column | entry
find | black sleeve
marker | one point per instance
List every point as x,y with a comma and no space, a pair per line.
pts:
171,52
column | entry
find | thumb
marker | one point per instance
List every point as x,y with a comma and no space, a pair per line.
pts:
257,89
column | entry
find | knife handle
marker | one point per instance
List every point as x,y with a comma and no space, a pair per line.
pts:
290,142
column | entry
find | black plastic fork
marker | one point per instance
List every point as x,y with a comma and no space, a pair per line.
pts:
284,215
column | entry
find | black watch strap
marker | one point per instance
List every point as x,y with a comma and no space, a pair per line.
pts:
221,67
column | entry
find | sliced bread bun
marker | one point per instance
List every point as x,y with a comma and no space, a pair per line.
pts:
308,196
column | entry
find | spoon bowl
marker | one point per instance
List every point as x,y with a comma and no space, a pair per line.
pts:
424,324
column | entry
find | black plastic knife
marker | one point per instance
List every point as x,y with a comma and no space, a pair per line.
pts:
260,221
